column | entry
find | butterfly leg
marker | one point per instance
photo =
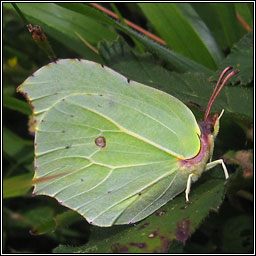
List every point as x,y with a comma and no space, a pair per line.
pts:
214,163
189,182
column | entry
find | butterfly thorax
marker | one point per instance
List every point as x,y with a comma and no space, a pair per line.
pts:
209,130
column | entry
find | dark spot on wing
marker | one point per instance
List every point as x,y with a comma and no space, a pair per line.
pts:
68,146
100,141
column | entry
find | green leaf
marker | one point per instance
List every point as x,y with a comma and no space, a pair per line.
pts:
145,69
63,24
15,104
17,150
17,186
222,21
175,60
230,26
66,219
13,144
237,235
40,219
245,10
176,23
36,220
241,58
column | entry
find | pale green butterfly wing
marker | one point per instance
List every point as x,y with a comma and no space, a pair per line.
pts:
154,197
145,132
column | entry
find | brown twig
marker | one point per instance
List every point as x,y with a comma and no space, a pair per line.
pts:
242,21
129,23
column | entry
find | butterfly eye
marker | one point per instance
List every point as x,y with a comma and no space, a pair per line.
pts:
211,128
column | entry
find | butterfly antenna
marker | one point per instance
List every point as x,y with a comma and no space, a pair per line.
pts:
218,88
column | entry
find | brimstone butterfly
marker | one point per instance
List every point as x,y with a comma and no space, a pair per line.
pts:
112,149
